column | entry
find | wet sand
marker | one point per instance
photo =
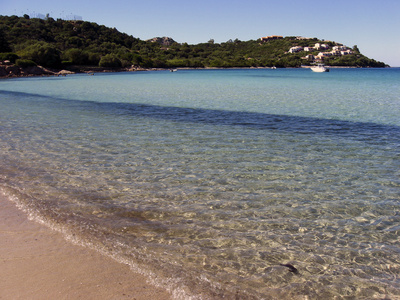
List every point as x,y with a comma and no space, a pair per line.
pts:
38,263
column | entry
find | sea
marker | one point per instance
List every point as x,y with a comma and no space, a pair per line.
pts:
217,184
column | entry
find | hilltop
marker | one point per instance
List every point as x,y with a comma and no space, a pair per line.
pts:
76,45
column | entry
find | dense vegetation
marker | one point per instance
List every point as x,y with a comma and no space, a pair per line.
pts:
63,44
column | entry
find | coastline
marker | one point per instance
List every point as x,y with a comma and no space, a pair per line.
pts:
13,71
38,263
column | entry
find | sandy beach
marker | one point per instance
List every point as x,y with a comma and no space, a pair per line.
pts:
38,263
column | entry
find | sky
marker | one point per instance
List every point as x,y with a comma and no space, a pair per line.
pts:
374,26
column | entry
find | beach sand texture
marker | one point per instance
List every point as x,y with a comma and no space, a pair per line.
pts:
38,263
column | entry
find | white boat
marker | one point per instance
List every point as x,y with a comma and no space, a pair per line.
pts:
320,68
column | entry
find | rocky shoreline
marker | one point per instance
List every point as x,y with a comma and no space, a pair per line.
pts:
9,70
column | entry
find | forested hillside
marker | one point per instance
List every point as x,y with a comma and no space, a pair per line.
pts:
64,44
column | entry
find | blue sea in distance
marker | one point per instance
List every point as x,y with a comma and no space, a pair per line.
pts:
213,183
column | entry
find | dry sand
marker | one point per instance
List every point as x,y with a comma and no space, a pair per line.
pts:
38,263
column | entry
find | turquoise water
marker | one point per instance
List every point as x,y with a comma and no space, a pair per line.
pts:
208,180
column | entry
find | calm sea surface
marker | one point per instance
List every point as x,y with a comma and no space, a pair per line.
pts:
207,181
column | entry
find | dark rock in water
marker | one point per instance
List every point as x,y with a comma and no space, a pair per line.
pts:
291,268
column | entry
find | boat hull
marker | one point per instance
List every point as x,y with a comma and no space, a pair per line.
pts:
320,69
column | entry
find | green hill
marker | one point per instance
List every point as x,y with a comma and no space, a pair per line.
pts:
67,44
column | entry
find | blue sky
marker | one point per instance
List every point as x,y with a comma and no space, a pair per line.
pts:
374,26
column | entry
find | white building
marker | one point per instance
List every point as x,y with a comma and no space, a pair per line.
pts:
319,46
324,54
346,52
295,49
339,48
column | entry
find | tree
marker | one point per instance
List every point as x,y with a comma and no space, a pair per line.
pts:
110,61
76,56
4,45
136,59
43,54
12,57
356,50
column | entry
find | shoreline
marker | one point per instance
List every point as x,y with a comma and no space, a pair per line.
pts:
38,263
13,71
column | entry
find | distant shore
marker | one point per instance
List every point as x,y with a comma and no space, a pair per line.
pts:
13,71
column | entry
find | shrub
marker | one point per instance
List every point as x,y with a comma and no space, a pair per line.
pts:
110,61
43,54
23,63
76,56
12,57
94,58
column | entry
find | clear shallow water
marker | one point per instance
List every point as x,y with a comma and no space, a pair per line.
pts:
208,180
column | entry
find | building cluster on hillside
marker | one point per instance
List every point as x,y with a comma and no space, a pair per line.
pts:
337,50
